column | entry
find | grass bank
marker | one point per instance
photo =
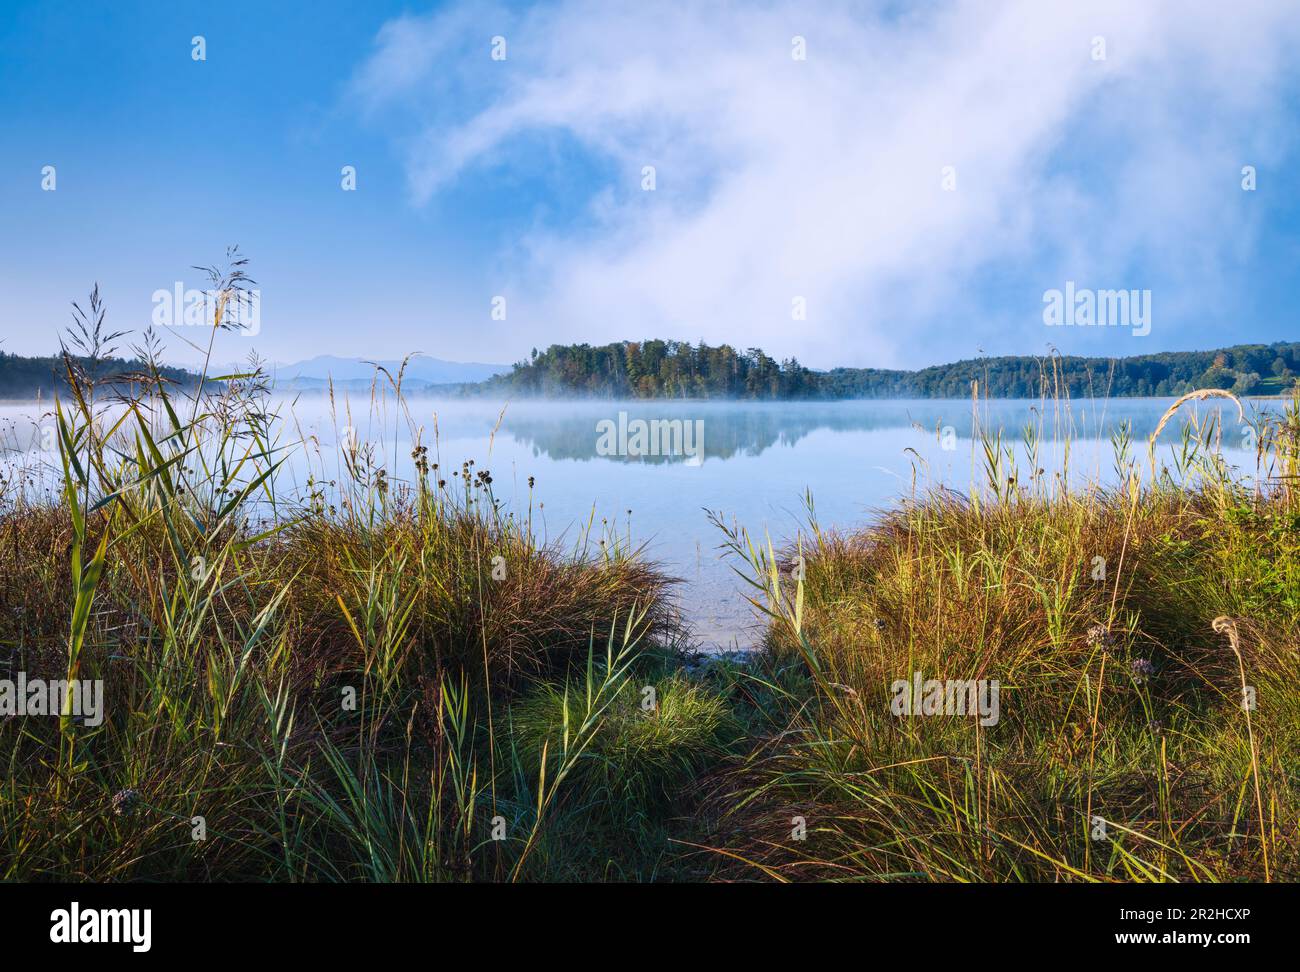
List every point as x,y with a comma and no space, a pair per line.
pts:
1144,644
366,680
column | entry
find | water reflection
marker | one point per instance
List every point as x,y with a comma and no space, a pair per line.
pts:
570,430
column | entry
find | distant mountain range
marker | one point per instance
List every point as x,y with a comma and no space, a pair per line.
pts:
354,374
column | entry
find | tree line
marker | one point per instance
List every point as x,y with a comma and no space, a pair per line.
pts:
24,377
678,369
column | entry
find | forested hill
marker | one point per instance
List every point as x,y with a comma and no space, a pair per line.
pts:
22,377
674,369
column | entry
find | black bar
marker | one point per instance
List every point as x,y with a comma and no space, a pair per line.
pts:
332,922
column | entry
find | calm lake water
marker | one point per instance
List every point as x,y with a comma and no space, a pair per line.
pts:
749,461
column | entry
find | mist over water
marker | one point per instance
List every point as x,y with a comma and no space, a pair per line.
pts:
753,463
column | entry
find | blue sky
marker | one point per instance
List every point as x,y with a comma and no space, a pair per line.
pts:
776,178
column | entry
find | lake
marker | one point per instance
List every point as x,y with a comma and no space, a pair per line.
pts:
652,469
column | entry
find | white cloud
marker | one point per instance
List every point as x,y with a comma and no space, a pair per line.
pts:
822,178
